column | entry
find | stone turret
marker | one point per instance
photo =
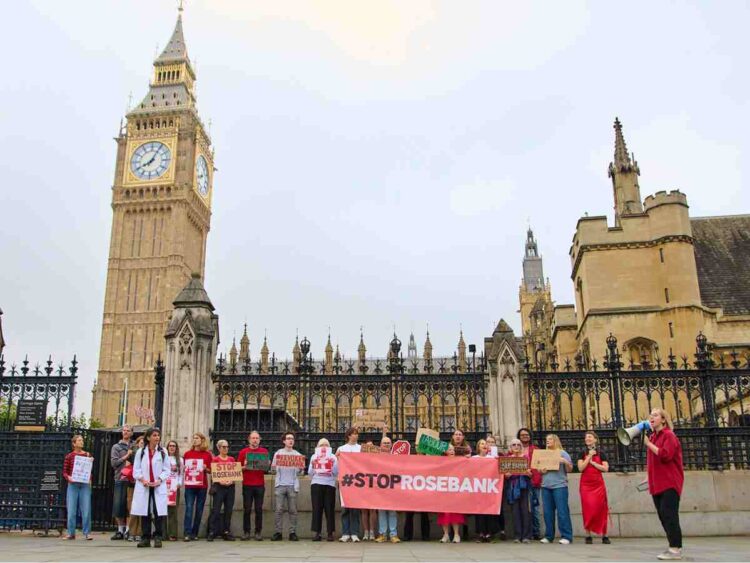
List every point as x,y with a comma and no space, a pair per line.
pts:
624,172
461,353
412,349
192,338
244,346
329,355
427,354
264,356
233,353
362,349
296,355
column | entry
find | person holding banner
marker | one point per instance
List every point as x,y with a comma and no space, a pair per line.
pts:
78,493
517,487
323,471
150,470
286,486
255,463
665,479
174,482
197,461
220,523
387,519
594,505
448,520
483,522
555,495
459,443
350,516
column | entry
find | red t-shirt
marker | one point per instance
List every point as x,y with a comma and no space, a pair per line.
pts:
69,462
665,470
253,477
207,458
536,476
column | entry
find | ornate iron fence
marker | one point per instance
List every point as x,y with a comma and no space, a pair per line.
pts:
311,403
708,399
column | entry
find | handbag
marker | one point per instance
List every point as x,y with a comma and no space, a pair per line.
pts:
213,489
127,474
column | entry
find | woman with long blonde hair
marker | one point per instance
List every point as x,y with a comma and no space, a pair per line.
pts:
555,495
665,478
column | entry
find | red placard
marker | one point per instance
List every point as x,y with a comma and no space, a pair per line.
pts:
401,447
289,460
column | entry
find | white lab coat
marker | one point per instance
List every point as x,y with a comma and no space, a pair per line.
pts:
160,467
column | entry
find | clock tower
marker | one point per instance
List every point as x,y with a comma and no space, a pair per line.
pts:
161,203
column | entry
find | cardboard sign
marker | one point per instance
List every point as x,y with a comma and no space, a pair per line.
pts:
171,491
289,460
370,418
401,447
370,449
462,450
82,467
257,462
429,432
194,473
513,465
546,459
226,471
431,446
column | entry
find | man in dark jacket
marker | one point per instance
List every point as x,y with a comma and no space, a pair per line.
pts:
120,458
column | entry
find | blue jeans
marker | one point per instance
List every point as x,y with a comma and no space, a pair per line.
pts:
195,497
534,494
557,500
350,522
78,497
388,523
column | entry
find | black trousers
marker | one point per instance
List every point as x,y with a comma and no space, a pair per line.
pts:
323,499
153,516
424,522
221,521
667,506
522,516
483,524
252,496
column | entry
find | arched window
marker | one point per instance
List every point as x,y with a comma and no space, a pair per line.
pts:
640,351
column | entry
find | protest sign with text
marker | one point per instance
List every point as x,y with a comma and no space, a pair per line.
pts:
420,483
257,462
513,465
369,418
289,460
429,445
226,471
546,459
82,469
172,487
401,447
194,473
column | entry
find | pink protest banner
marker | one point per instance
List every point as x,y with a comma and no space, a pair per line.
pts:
420,483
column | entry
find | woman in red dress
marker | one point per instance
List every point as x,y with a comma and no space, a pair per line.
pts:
448,520
594,506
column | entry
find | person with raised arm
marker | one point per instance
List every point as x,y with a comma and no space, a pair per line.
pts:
594,506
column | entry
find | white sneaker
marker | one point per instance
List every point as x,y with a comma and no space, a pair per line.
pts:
344,539
457,539
445,539
544,540
563,541
670,555
355,539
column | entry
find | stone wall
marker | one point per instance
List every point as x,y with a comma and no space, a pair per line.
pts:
713,503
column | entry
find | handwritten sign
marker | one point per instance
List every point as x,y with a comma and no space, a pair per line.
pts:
144,412
428,431
289,460
257,462
546,459
513,465
431,446
226,471
370,449
82,467
370,418
194,473
462,450
401,447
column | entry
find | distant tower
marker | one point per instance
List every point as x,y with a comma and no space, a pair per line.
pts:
362,349
427,348
244,346
461,354
329,355
624,172
296,355
264,356
535,300
233,353
412,349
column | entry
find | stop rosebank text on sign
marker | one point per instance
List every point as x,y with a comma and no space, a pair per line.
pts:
420,483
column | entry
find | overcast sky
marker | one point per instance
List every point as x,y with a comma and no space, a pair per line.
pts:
378,162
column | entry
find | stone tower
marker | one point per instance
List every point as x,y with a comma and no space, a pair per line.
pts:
161,203
624,172
535,300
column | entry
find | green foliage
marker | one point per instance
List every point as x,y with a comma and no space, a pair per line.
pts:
80,422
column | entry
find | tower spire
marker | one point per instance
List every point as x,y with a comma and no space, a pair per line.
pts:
533,268
624,172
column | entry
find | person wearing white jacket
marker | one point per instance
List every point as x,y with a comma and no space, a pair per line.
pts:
150,470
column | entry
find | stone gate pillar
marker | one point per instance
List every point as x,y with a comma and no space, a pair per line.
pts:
192,338
503,355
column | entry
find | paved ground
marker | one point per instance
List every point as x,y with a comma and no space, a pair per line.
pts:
26,547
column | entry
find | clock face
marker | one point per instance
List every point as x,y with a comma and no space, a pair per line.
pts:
201,175
150,160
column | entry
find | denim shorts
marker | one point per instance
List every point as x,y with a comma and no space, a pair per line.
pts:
120,500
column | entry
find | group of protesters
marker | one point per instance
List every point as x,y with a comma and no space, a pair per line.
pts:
148,480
